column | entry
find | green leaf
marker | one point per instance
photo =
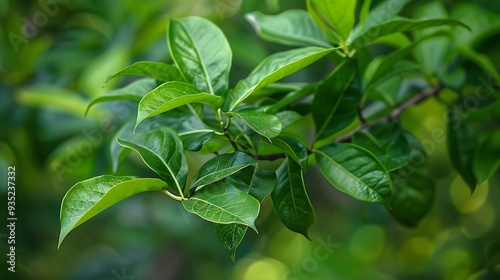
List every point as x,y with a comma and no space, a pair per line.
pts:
255,181
118,152
202,53
230,235
223,203
194,141
264,124
133,92
294,148
272,69
336,101
413,197
462,144
292,28
337,15
365,10
480,59
486,160
287,118
362,37
171,95
387,142
221,167
161,71
290,198
162,151
355,171
90,197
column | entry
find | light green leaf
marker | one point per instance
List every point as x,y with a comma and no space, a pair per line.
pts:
161,71
221,167
362,37
294,148
486,160
387,142
355,171
171,95
202,53
287,118
272,69
290,198
230,235
264,124
118,152
412,199
291,27
90,197
365,10
223,203
133,92
336,15
162,151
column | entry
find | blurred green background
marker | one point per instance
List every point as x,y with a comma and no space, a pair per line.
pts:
55,57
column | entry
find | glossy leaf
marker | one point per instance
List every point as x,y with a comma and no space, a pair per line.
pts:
90,197
223,203
362,37
194,141
290,198
272,69
255,181
264,124
337,15
336,101
413,198
160,71
462,144
387,142
486,158
291,27
294,148
162,151
202,53
355,171
171,95
221,167
133,92
230,235
287,118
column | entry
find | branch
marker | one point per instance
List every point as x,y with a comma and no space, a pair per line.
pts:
417,98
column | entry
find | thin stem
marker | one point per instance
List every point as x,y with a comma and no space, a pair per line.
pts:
173,196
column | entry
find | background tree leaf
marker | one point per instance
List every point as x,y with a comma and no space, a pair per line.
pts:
202,53
160,71
290,198
486,160
355,171
337,15
90,197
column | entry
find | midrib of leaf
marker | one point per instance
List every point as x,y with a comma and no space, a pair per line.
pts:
194,132
291,188
350,174
199,200
195,47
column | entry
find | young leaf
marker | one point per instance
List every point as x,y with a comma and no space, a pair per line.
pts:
486,160
162,151
273,68
202,53
90,197
230,235
387,142
337,15
223,203
294,149
133,92
290,198
362,36
355,171
412,199
336,101
292,27
160,71
194,141
264,124
221,167
171,95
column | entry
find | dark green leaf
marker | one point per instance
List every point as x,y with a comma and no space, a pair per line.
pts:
264,124
292,27
294,148
290,198
194,141
162,151
355,171
486,158
202,53
160,71
230,235
223,203
273,68
254,180
387,142
90,197
221,167
171,95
